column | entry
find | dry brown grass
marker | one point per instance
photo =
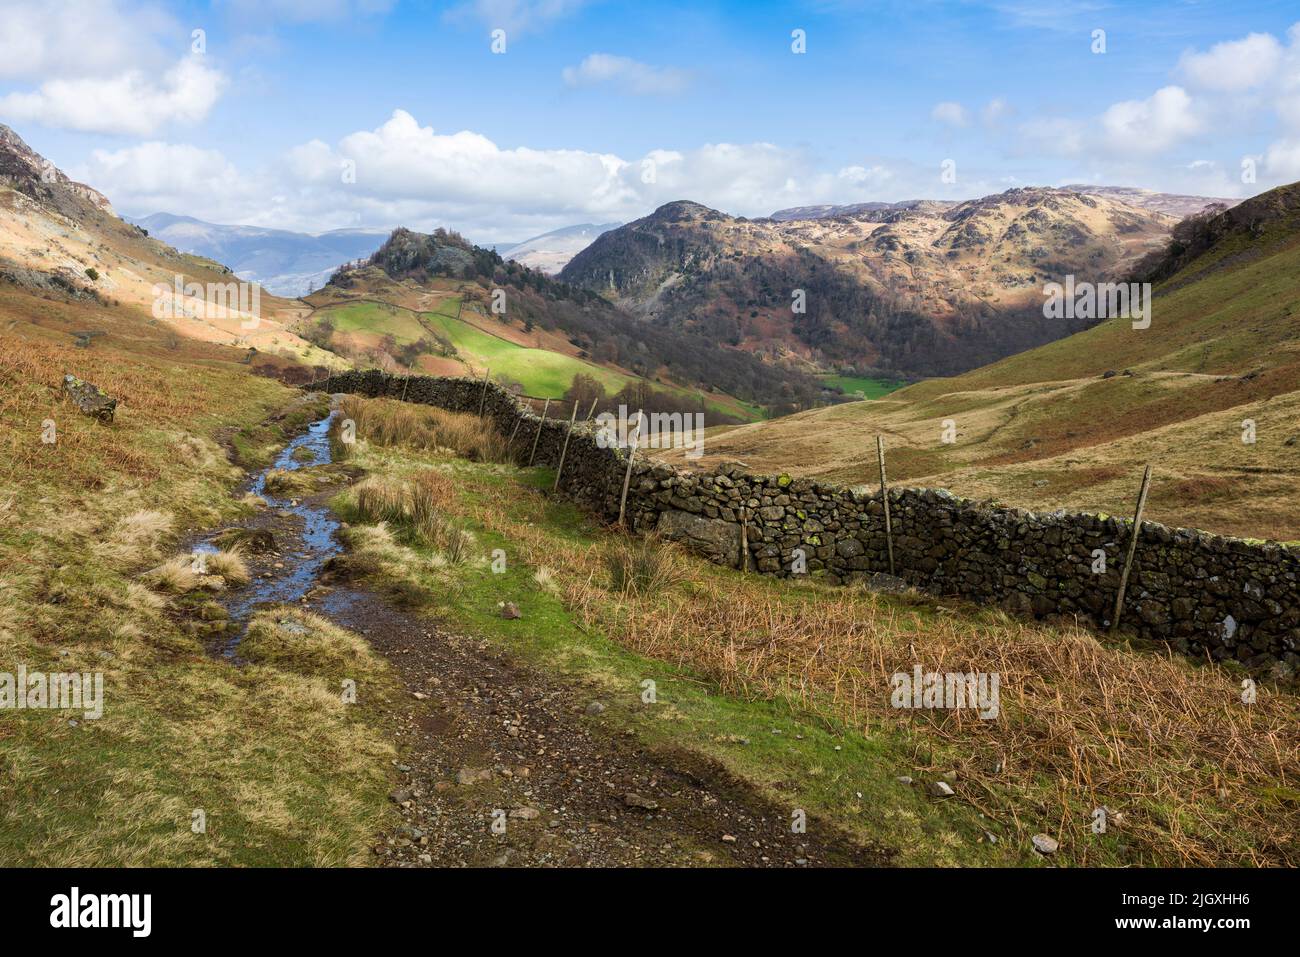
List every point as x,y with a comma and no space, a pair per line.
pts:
419,504
229,564
392,422
1197,776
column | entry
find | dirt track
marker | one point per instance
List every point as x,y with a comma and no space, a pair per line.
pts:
535,747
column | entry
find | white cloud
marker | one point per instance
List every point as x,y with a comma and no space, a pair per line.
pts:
1161,121
165,176
408,174
953,114
47,39
129,102
516,16
1235,65
103,66
995,111
307,11
1282,161
626,74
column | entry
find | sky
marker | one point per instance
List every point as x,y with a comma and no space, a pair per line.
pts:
504,119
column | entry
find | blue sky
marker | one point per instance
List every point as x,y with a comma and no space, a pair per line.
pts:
599,112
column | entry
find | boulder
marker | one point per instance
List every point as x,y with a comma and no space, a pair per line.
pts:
717,540
90,399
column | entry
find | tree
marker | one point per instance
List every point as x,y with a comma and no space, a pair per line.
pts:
584,389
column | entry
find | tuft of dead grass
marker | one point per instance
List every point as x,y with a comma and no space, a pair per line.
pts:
417,505
642,565
229,563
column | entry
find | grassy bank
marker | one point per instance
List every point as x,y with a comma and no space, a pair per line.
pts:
282,772
788,685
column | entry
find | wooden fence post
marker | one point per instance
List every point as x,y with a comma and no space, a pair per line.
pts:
744,539
627,476
592,410
559,470
483,398
405,382
538,437
884,497
1132,549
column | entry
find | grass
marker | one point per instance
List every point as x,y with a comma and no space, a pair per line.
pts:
284,774
862,386
789,686
541,372
393,422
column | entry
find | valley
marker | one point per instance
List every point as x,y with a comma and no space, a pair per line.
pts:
1070,424
406,648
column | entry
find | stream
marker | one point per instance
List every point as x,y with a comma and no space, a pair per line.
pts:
306,538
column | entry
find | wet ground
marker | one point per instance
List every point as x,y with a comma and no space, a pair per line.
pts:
501,765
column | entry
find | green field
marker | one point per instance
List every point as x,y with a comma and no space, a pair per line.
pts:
541,372
372,317
870,388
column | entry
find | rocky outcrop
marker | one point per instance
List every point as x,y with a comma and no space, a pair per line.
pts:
1205,595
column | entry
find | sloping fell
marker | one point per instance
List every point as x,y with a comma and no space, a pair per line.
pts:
1207,394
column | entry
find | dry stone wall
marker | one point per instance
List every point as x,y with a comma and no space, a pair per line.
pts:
1206,595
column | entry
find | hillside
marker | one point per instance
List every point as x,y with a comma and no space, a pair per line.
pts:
927,289
1070,424
62,244
445,285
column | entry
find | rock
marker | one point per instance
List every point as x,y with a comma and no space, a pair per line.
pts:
904,779
632,799
525,813
90,399
886,584
939,789
595,708
729,839
509,610
400,796
467,776
1044,844
717,540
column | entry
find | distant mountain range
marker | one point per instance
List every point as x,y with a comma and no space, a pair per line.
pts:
287,263
284,262
551,252
1171,204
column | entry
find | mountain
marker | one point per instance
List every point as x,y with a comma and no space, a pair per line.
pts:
928,289
1208,394
1172,204
853,209
549,252
439,302
285,263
